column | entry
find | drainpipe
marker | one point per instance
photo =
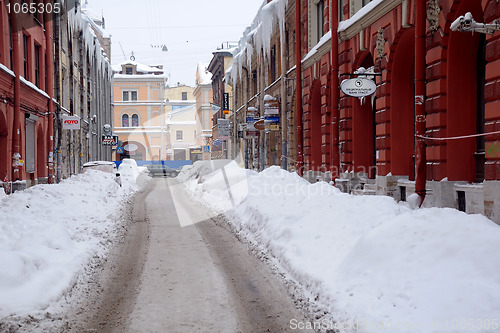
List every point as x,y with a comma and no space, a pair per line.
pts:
57,80
284,123
49,72
298,70
335,166
17,171
420,154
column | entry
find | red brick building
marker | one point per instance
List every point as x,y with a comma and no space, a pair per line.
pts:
26,85
367,146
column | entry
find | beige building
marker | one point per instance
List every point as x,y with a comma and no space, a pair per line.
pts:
203,94
180,110
181,125
140,112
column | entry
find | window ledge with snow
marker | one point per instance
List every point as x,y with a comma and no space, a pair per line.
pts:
365,17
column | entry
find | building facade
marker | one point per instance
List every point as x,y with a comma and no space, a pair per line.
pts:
140,112
82,89
222,95
203,94
182,130
26,91
368,145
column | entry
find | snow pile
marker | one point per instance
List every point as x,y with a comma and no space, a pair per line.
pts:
50,233
376,265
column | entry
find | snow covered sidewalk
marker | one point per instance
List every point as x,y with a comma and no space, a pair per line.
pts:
376,265
50,233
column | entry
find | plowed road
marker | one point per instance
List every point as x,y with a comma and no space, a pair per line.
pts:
198,277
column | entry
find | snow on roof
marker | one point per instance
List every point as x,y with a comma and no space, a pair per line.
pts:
140,68
258,35
205,77
80,22
326,38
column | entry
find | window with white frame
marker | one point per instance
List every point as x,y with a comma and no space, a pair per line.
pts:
129,95
356,5
317,21
178,135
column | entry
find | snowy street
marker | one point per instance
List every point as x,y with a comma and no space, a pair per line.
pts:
224,249
195,278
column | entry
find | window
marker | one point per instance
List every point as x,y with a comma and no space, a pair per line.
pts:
26,56
129,95
178,135
37,65
135,120
125,120
356,5
129,71
320,19
184,96
254,81
273,64
11,48
317,17
341,10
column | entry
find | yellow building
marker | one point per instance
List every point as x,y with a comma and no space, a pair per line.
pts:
140,112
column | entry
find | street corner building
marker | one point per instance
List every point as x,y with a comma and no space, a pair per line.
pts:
26,91
430,125
52,65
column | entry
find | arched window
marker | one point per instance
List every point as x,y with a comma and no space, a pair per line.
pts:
135,120
125,120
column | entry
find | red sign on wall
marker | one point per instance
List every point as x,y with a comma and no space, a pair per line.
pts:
71,122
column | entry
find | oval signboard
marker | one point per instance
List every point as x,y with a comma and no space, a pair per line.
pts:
259,125
358,87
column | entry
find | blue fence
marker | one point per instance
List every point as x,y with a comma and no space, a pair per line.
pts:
171,164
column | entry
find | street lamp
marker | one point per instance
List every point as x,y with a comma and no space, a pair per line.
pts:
467,23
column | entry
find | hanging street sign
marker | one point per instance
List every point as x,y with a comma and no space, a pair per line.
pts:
225,101
358,87
223,128
109,140
71,122
259,125
251,117
272,107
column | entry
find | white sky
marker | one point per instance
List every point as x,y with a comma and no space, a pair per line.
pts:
191,29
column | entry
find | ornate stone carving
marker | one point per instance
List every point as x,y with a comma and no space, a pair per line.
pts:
380,43
433,15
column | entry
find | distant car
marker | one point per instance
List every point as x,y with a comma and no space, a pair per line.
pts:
105,166
162,170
